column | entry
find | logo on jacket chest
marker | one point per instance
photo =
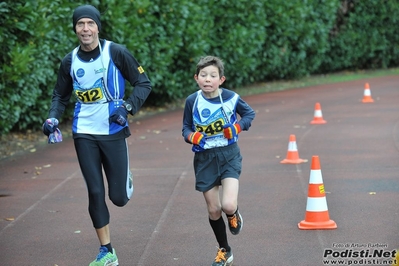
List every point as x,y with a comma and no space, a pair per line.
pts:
205,112
80,72
98,71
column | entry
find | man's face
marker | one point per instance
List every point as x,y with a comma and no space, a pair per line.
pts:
87,32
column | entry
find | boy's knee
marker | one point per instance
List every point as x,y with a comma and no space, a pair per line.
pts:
229,208
214,211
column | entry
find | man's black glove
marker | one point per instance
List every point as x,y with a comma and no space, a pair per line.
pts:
49,126
119,116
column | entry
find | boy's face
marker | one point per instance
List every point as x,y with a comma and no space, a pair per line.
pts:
208,80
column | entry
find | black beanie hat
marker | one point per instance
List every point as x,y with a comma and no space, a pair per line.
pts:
86,11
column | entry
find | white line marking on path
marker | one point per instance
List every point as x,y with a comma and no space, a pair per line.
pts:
37,203
162,220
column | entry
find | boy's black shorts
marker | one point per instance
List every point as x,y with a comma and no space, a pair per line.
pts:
213,165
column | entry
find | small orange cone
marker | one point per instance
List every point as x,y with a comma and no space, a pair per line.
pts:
367,94
316,216
318,116
292,153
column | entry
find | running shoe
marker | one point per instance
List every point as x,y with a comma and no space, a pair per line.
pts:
223,258
235,223
105,258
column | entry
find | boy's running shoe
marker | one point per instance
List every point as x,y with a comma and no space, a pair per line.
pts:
223,258
235,223
105,258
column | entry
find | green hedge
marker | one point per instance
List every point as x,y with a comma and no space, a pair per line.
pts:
34,39
258,41
364,37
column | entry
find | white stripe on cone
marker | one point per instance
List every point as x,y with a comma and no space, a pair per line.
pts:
292,146
316,204
315,177
317,113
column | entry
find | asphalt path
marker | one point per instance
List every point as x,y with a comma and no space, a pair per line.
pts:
43,205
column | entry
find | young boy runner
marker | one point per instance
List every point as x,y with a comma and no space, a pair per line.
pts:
211,124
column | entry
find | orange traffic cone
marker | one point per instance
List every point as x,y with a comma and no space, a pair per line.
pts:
367,94
292,153
316,216
318,116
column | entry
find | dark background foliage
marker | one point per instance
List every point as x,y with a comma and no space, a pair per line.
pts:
258,41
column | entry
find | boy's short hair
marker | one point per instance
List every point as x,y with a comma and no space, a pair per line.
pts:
210,61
